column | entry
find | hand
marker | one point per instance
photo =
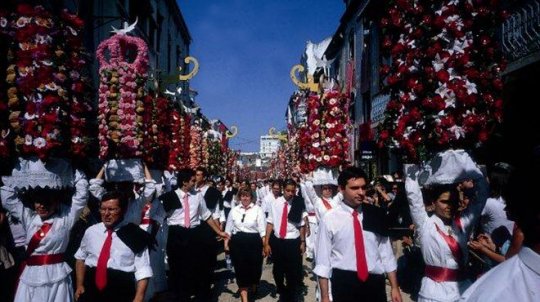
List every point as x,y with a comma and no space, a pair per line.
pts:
224,235
308,231
302,247
475,245
396,294
407,241
267,250
487,242
78,292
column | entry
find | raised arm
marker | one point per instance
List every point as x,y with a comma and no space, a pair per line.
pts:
80,197
12,204
96,185
416,201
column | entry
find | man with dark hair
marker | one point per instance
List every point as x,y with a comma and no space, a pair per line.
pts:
186,209
353,248
517,278
288,242
112,254
213,201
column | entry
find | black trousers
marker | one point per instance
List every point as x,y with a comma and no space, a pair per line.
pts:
287,266
206,239
246,256
346,287
121,287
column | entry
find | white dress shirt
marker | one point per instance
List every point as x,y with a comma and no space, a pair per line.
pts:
216,212
267,200
135,206
197,210
516,279
56,240
121,258
435,250
336,247
275,211
494,215
250,220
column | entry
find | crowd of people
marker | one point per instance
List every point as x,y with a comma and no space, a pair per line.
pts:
457,233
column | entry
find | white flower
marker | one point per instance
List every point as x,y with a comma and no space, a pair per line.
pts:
76,140
28,140
40,142
438,63
29,116
326,158
332,101
315,145
316,122
471,87
3,22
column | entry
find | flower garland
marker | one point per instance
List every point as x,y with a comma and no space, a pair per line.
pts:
43,100
444,80
179,152
195,147
216,164
157,131
323,141
205,154
6,148
121,94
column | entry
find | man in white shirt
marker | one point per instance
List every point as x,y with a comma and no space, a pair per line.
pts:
353,248
186,209
112,255
518,278
287,240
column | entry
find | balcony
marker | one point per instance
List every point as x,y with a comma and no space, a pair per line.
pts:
521,36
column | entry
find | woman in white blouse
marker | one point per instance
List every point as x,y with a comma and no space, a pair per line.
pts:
443,236
246,225
45,275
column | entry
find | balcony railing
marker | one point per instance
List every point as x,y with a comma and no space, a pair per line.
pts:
521,31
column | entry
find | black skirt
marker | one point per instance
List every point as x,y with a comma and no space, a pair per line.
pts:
247,259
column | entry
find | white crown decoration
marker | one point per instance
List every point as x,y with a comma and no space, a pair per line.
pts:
55,173
324,176
451,166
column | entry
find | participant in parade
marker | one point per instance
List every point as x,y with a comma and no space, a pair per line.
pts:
246,225
45,276
186,209
443,236
113,263
286,242
517,278
355,261
212,199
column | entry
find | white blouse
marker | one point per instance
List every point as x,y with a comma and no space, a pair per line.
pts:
56,240
250,220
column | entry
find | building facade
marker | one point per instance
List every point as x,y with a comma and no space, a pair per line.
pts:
269,145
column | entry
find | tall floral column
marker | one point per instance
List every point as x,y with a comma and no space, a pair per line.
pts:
444,79
121,96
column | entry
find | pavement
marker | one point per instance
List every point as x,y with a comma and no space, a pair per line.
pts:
225,287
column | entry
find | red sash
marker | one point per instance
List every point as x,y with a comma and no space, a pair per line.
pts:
45,259
442,274
146,221
457,221
32,246
453,245
326,204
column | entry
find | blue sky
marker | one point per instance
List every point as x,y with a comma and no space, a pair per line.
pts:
246,49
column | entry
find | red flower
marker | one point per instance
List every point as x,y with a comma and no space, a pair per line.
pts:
443,76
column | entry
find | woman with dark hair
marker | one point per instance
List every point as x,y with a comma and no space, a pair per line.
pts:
247,227
45,274
443,236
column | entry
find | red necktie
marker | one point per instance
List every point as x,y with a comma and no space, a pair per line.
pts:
101,269
361,265
283,226
187,221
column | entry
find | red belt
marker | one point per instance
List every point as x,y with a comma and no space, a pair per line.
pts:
37,260
443,274
312,214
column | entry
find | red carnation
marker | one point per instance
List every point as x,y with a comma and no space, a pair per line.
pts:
443,76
